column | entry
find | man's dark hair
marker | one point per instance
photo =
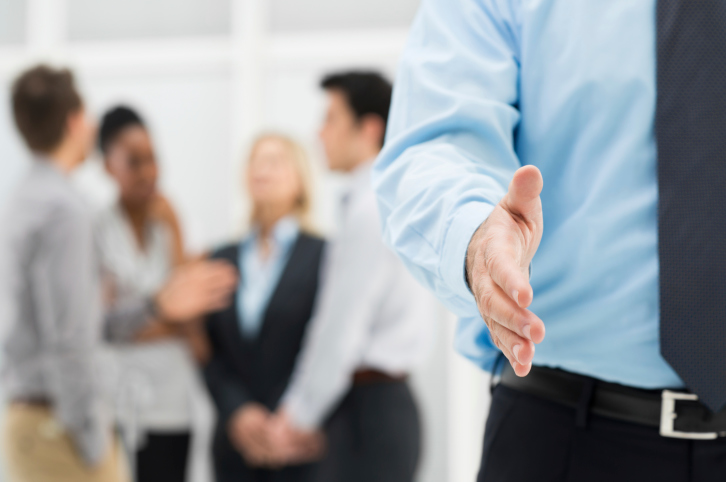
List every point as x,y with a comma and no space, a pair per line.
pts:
367,92
43,98
113,122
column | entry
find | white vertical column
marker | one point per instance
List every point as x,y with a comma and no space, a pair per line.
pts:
249,57
468,388
47,28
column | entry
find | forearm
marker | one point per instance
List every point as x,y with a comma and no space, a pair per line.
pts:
198,342
309,400
429,225
156,330
449,151
179,255
78,401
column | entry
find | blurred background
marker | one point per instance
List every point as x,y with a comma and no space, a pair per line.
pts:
208,75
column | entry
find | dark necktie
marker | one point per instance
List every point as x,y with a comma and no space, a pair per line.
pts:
691,139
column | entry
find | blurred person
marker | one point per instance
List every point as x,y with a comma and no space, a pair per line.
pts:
162,400
256,341
57,427
372,325
586,140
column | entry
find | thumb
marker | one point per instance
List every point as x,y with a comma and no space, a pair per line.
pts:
522,199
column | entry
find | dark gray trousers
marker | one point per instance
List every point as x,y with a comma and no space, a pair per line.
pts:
529,439
373,436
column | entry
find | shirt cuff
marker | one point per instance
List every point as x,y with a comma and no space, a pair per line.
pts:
467,220
301,417
92,434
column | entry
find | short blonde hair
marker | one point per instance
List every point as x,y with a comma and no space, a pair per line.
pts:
304,207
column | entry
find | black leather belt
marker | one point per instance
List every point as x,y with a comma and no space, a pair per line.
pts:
676,414
32,402
368,376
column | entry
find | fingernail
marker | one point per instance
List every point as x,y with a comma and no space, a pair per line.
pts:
526,330
515,350
515,296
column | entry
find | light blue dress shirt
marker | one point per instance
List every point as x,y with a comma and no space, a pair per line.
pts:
486,86
259,277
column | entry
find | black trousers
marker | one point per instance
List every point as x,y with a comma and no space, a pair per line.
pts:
529,439
230,466
163,458
373,436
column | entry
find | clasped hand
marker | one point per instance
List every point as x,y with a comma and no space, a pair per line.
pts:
269,440
497,265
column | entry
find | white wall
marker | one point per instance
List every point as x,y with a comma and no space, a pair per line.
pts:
207,84
13,157
90,20
189,119
12,21
296,15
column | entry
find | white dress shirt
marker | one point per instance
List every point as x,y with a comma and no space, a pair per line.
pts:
370,313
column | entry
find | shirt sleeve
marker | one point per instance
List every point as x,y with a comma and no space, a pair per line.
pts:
65,285
354,273
226,388
123,318
449,153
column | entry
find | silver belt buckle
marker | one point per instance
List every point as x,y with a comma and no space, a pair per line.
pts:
668,417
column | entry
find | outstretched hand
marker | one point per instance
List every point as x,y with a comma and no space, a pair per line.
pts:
497,267
195,289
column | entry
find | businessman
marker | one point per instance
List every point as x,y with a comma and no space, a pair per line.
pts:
372,325
558,166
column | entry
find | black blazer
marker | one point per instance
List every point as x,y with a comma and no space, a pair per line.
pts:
243,370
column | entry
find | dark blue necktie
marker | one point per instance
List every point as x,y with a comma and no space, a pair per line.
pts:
691,139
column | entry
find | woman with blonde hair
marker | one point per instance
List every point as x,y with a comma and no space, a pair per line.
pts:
255,342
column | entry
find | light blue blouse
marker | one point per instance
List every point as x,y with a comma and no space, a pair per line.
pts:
259,277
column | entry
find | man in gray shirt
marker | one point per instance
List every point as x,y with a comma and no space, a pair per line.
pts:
57,427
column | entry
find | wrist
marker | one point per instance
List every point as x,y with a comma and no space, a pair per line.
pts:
157,310
457,242
243,411
236,419
475,243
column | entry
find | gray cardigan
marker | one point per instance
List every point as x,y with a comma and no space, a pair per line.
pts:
50,279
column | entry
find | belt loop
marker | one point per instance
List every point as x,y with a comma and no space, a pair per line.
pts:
583,407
